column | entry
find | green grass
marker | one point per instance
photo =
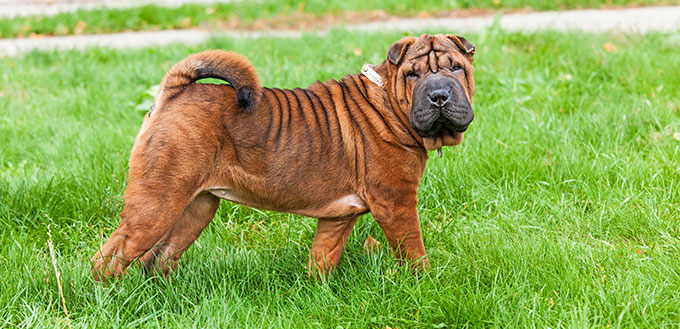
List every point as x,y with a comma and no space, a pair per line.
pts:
271,13
559,210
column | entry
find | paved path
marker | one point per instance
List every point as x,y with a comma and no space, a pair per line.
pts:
635,20
15,8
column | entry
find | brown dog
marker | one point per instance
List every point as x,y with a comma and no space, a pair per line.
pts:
333,151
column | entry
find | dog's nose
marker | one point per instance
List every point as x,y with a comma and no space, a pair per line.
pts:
439,97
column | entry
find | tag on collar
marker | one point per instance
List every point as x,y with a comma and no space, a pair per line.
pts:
372,75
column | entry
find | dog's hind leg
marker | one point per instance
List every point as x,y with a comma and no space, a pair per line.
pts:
163,181
196,216
329,241
148,215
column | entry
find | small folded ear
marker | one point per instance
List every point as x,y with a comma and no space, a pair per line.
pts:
465,46
399,49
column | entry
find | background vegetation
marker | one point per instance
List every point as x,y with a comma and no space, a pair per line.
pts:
276,14
559,210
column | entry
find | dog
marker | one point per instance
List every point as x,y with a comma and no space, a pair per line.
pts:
333,151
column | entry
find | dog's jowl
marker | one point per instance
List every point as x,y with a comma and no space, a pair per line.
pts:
333,151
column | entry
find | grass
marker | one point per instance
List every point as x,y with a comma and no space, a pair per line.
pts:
560,209
271,14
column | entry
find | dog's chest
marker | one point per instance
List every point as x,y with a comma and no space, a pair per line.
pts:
347,205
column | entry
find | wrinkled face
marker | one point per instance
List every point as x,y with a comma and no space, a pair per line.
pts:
433,80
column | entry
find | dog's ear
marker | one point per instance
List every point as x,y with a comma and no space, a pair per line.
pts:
399,49
465,46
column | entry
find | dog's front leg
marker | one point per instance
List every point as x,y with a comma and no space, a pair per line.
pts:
398,217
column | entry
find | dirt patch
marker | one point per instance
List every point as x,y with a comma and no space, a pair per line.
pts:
297,21
300,20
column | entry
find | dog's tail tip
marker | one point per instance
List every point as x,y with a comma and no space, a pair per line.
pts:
246,97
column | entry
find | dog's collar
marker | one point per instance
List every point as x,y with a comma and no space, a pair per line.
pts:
372,75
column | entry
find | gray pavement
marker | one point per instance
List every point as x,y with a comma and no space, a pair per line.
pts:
634,20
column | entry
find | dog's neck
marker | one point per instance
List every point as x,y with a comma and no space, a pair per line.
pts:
386,92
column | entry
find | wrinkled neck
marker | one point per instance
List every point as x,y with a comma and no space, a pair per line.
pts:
397,106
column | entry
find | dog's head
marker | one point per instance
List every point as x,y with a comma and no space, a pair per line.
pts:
431,78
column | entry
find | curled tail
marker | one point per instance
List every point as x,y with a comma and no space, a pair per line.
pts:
224,65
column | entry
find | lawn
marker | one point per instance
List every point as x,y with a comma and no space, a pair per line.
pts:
275,14
560,209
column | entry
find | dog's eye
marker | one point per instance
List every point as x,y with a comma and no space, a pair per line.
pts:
412,74
455,67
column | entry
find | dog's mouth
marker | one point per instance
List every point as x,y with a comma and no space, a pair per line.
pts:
442,132
440,125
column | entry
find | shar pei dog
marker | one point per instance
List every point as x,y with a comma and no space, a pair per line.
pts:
333,151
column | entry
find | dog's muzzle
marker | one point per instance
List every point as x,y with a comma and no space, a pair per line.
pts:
439,107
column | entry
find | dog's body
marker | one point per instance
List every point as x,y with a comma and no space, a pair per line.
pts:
333,151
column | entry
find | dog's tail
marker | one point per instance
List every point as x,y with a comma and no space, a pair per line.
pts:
224,65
